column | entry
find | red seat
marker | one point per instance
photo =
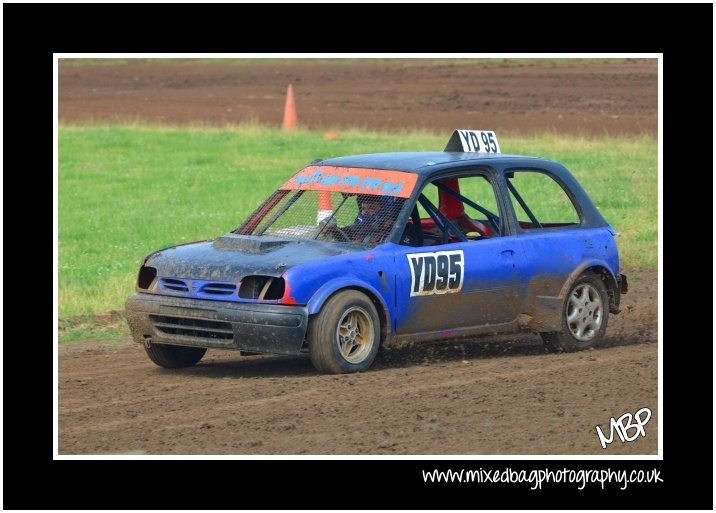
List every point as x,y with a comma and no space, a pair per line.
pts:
454,209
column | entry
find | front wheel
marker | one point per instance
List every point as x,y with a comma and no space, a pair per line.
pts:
345,335
584,316
172,357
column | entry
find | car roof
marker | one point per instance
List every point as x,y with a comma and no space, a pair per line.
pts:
427,162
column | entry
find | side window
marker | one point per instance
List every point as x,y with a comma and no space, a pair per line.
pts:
480,211
430,192
539,201
454,209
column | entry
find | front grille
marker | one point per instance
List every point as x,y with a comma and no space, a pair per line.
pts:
199,328
175,285
219,289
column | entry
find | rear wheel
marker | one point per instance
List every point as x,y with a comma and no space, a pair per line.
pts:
584,316
173,357
345,335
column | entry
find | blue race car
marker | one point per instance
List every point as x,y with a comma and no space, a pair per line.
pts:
355,252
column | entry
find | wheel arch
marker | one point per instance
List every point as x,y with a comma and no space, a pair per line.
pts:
602,270
329,290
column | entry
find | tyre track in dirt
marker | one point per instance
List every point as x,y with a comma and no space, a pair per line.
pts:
499,395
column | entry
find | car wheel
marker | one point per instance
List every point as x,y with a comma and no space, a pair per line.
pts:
345,335
173,357
584,316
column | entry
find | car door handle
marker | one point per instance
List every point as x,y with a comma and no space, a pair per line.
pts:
508,253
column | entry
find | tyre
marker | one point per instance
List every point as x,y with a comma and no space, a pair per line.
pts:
173,357
345,335
584,316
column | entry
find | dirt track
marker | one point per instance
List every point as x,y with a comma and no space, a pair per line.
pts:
596,98
487,396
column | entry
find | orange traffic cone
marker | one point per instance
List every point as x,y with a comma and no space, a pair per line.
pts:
325,208
289,111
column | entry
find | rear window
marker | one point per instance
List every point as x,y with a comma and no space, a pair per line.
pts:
540,202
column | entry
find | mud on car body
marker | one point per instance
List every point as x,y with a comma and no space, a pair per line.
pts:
355,252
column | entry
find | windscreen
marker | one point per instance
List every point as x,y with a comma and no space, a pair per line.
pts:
353,205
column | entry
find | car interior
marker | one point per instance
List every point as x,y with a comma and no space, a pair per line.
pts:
449,222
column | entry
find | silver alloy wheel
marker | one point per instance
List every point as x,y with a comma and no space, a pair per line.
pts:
585,312
355,335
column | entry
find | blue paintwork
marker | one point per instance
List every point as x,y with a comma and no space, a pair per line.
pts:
503,276
425,163
493,271
231,257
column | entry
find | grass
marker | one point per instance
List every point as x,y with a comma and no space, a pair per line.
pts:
125,191
113,334
108,326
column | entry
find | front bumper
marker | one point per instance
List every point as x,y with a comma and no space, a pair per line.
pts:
259,328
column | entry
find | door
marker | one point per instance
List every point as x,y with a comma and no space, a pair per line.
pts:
461,271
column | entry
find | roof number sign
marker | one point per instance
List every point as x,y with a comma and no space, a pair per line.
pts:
473,141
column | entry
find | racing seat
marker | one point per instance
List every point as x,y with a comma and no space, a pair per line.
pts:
454,210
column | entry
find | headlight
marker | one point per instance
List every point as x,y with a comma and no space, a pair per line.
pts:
146,277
